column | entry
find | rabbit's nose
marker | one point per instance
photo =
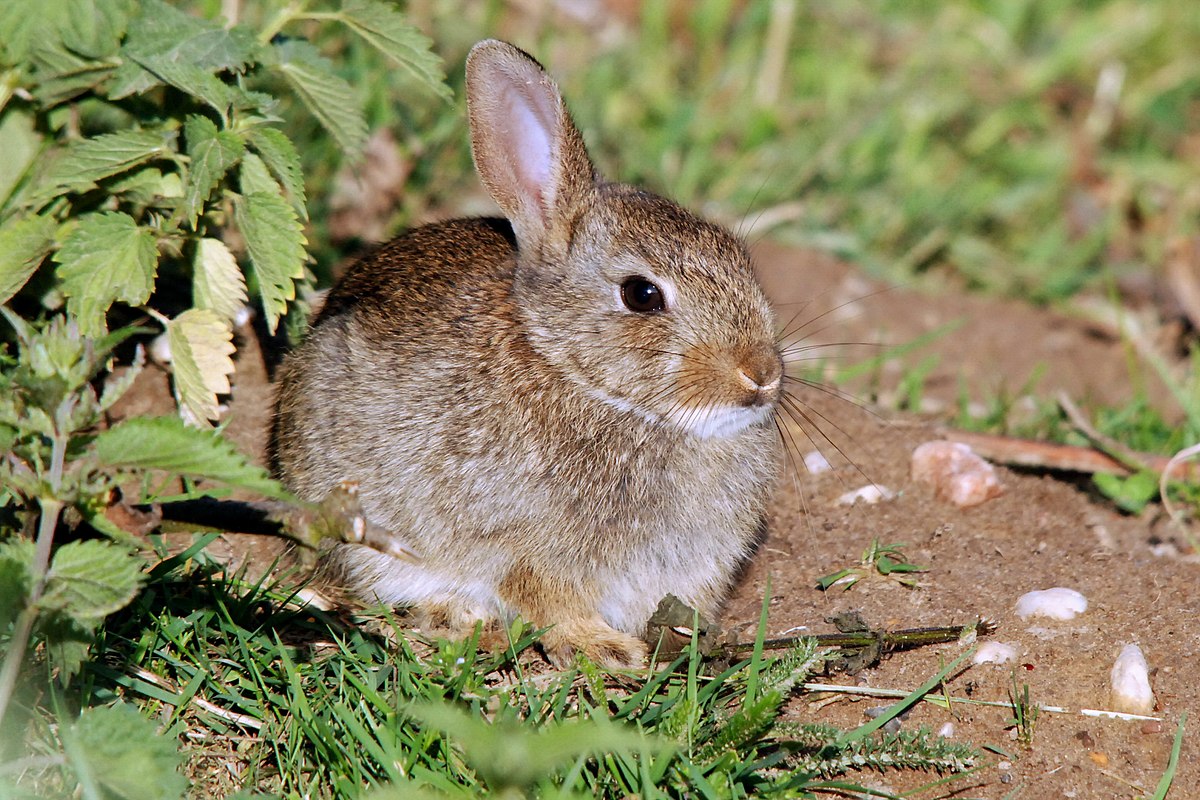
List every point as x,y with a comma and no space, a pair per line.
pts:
760,373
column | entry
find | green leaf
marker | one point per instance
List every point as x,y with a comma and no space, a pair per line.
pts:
213,153
331,100
91,579
90,160
115,748
61,74
1130,493
30,24
16,578
275,242
21,144
23,245
106,258
217,281
163,35
255,177
97,26
385,29
280,156
201,349
66,640
167,444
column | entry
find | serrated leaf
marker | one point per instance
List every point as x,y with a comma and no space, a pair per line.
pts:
280,156
202,84
386,30
91,579
66,641
106,258
29,24
125,755
97,26
331,99
212,152
167,444
23,245
201,349
21,143
217,280
91,160
163,35
16,578
254,177
275,242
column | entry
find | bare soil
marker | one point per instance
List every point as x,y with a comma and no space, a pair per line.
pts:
1046,530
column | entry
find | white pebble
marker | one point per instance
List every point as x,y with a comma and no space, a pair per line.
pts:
994,653
946,731
1057,603
956,474
869,494
1131,692
160,350
816,463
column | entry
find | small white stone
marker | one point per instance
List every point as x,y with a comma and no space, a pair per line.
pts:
1131,692
1057,603
994,653
816,463
160,350
870,494
946,731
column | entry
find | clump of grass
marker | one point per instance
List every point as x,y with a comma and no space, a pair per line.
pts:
295,703
885,560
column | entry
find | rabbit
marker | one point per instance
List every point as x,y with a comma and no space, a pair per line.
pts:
565,414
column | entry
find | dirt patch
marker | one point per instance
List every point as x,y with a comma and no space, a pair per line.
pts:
1044,531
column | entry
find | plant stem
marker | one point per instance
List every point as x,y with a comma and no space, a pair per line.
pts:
15,656
51,507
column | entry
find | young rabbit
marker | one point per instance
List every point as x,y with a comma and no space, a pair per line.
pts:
566,414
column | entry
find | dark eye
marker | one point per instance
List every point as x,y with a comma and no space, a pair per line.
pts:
642,296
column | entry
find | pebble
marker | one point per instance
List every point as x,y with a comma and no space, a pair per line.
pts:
994,653
1131,692
869,494
946,731
956,474
1057,603
816,463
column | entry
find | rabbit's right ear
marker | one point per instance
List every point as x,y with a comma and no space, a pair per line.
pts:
527,150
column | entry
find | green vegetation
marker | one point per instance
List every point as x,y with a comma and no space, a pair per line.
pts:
885,560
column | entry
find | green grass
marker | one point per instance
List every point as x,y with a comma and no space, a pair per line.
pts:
298,704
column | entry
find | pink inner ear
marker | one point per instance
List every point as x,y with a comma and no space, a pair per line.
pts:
530,143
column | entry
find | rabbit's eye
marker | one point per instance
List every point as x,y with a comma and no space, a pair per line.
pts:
642,296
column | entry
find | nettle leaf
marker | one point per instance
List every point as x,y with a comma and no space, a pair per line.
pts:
162,34
255,177
106,258
280,156
124,754
213,153
66,641
217,281
386,30
201,349
21,144
332,100
97,26
167,444
23,245
275,242
16,578
30,24
91,579
90,160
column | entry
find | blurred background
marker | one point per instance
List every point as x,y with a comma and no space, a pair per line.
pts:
1032,149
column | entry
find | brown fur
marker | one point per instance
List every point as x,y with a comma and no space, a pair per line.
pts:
540,448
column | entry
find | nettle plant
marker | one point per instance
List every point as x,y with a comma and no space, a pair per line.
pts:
142,152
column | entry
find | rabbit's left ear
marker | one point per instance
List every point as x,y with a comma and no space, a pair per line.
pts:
527,150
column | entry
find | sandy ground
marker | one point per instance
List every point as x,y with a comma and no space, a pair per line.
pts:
1046,530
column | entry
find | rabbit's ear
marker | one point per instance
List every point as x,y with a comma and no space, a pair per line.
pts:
528,152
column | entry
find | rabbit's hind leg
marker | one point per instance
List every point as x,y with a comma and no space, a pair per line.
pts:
576,625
